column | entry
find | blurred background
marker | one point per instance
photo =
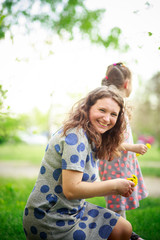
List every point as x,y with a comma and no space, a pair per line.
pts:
52,52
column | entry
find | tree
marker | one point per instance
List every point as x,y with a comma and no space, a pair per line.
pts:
62,17
2,98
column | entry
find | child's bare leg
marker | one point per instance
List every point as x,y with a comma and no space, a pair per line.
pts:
122,230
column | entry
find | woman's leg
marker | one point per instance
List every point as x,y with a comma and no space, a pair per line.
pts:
122,230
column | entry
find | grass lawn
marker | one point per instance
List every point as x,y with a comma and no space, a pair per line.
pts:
22,152
14,193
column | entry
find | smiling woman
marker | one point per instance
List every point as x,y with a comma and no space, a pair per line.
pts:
56,208
104,114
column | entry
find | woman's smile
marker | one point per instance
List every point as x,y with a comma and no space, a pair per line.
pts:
103,114
103,124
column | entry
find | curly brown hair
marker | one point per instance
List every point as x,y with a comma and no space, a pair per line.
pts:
107,143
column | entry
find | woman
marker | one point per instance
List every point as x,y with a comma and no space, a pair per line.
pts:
56,208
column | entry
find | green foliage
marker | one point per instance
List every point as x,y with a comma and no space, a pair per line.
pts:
2,98
8,127
61,17
11,125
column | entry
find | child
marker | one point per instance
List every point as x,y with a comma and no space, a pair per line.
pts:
126,165
56,208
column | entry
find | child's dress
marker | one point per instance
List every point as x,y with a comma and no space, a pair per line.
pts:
124,167
48,214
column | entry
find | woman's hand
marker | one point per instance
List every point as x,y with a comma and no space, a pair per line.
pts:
124,187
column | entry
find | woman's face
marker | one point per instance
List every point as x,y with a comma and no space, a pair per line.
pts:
103,114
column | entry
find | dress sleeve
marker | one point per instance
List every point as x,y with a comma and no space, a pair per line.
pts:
75,147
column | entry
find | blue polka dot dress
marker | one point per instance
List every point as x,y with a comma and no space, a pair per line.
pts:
48,214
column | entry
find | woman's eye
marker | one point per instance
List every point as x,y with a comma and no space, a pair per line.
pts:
114,114
102,110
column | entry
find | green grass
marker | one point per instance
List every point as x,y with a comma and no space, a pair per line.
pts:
22,152
150,171
145,220
14,194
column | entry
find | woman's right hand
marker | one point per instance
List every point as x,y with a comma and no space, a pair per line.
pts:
124,187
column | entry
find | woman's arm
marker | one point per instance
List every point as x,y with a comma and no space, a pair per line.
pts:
75,188
137,148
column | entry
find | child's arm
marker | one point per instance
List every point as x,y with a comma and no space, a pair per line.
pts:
137,148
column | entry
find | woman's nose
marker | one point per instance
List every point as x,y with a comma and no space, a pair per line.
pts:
107,118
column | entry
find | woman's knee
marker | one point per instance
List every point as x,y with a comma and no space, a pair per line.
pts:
122,230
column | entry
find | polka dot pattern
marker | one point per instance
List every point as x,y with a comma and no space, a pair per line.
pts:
93,213
64,164
74,158
52,199
33,230
38,213
44,189
60,223
78,218
85,177
105,231
57,148
92,225
79,235
81,147
57,173
82,225
26,211
47,147
71,139
58,189
42,170
43,235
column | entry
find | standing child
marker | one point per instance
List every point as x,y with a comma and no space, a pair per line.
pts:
126,165
56,209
